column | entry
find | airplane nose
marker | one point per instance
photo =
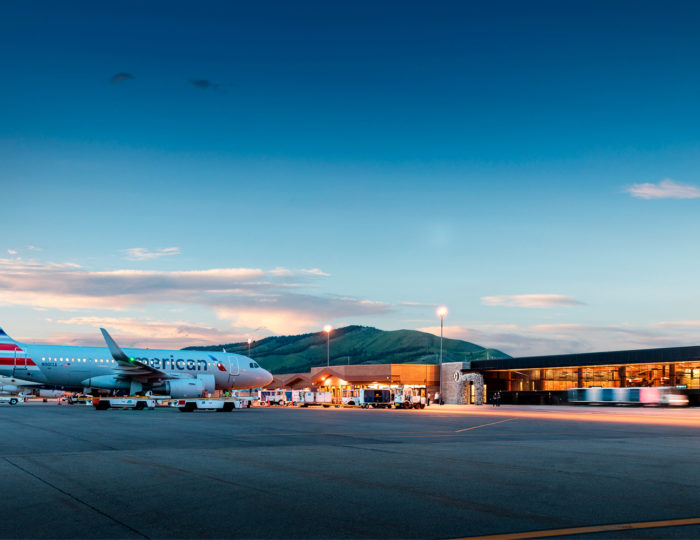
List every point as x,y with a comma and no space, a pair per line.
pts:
267,378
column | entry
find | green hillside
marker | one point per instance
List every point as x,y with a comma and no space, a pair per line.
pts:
355,345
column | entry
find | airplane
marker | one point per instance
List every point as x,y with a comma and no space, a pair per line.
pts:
179,374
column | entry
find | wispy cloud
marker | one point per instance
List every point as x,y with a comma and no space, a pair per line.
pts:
316,272
666,189
565,338
272,301
676,324
144,254
12,252
121,77
147,332
531,300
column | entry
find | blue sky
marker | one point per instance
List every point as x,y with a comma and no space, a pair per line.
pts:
188,173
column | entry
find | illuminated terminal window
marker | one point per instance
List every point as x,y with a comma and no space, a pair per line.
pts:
685,374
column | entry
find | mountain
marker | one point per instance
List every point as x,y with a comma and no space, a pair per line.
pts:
355,345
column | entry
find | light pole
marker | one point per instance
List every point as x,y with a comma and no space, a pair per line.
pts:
249,342
328,329
442,311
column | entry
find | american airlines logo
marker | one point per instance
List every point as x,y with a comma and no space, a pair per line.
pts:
181,364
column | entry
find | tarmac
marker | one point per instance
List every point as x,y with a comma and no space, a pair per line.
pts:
442,472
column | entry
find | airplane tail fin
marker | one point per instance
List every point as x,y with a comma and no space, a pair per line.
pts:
4,338
7,343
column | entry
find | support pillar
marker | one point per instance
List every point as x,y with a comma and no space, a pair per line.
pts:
622,374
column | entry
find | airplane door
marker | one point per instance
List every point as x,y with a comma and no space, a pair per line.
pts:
233,365
20,366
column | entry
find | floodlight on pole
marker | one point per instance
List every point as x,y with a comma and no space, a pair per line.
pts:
442,311
250,340
328,329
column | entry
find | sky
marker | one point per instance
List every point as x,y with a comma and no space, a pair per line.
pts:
190,173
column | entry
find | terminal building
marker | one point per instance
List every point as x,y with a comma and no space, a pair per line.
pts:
534,379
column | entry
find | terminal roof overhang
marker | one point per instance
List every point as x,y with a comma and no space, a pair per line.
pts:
613,358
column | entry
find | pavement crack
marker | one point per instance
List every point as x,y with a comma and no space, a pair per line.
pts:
76,499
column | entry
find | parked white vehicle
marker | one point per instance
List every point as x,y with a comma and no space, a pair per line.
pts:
125,402
12,400
211,404
408,398
274,397
323,398
309,399
350,397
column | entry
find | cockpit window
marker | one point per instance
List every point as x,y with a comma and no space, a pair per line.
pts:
252,365
255,365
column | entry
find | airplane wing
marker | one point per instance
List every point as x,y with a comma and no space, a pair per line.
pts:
130,368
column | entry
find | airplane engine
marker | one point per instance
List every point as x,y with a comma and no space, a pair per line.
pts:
209,383
185,388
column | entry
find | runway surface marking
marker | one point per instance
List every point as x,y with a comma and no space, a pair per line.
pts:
588,530
484,425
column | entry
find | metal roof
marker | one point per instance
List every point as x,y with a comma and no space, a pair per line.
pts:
641,356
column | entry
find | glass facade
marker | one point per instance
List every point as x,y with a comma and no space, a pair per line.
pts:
685,374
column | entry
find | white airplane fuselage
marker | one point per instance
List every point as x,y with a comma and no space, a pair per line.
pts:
72,367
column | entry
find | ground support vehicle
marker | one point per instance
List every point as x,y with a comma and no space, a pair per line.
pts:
206,404
645,395
350,398
78,399
123,402
299,398
12,400
325,399
322,399
275,397
376,398
408,398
